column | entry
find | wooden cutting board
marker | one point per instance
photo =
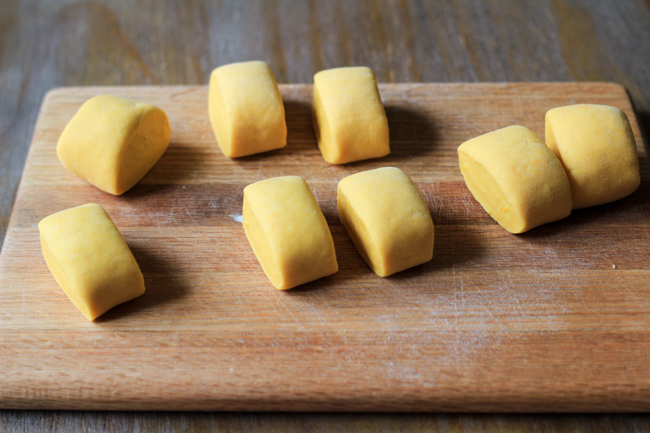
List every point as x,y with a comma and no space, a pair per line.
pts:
552,320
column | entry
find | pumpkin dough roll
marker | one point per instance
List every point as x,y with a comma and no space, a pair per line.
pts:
288,232
348,115
596,146
387,219
516,178
89,259
113,142
246,110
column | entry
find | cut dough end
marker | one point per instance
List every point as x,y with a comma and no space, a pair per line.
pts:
261,246
144,149
488,193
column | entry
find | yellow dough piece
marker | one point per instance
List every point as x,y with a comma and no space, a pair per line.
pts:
516,178
113,142
246,110
387,219
90,259
348,116
596,146
288,232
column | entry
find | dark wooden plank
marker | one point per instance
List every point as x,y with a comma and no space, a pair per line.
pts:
17,421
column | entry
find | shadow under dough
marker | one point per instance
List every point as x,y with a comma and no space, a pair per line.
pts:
411,132
163,284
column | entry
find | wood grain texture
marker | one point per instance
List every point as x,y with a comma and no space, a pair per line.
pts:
48,43
496,322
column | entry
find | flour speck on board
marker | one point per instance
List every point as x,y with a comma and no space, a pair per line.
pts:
237,217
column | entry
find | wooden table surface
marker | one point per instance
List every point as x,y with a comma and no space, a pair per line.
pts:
45,44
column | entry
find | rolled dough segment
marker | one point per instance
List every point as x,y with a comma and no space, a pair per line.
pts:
516,178
348,115
246,110
113,142
90,259
596,145
288,232
387,219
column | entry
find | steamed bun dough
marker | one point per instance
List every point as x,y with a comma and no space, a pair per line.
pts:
246,110
348,116
288,232
113,142
89,259
387,219
516,178
596,146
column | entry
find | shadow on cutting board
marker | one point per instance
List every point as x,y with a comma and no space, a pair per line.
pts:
412,134
181,162
300,129
455,244
163,282
615,215
352,267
